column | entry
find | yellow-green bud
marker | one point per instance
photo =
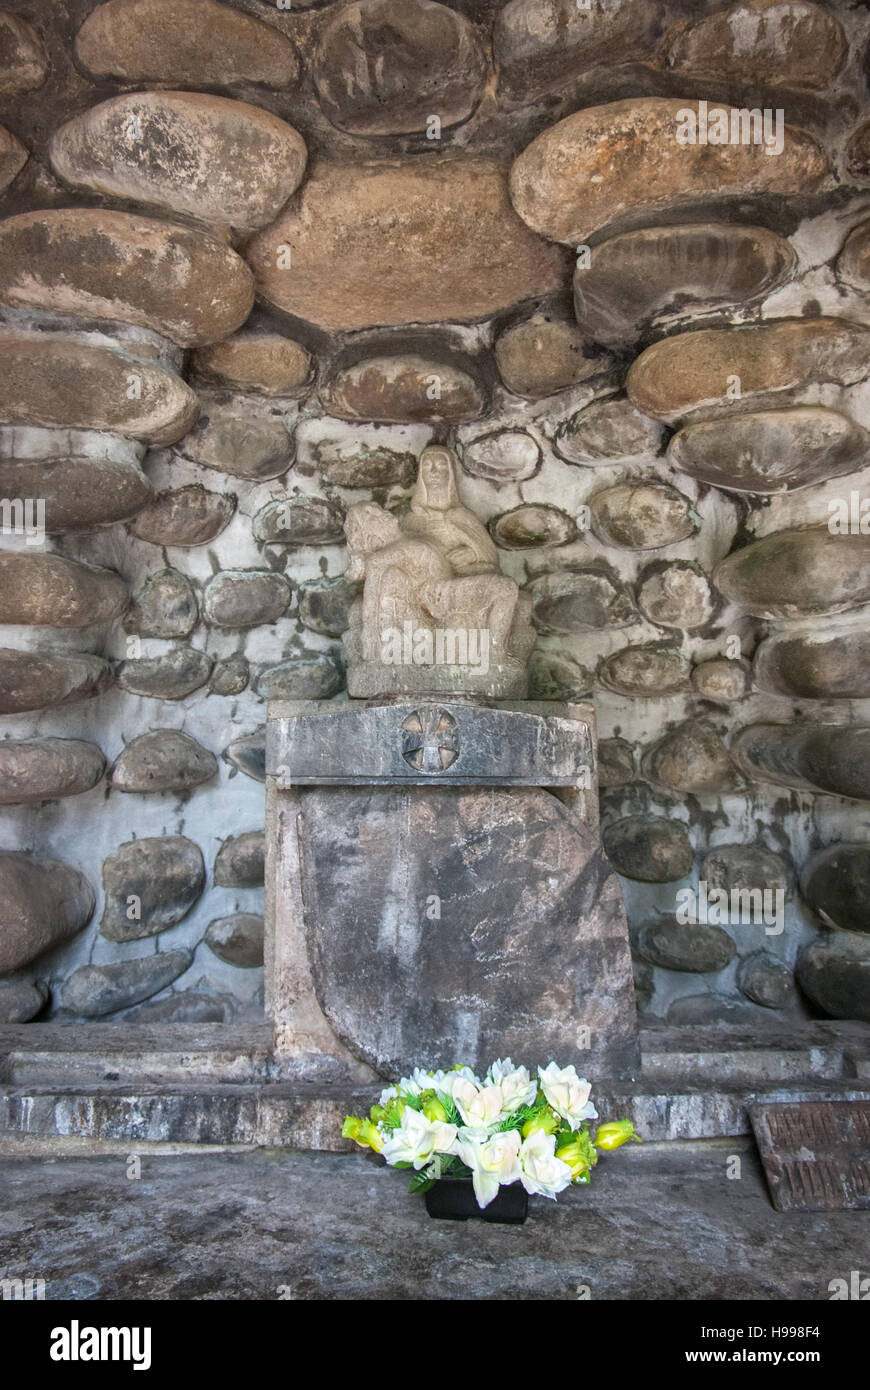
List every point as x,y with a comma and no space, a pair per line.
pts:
362,1132
611,1135
433,1109
350,1128
545,1121
577,1159
368,1135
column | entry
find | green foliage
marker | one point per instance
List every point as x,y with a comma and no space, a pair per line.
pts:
453,1115
390,1115
419,1182
567,1135
525,1112
441,1165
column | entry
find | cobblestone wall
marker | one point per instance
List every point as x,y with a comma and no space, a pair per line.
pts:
252,259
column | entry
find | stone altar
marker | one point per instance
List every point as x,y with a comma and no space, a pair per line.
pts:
436,889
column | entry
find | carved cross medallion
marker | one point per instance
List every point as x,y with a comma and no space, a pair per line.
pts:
430,739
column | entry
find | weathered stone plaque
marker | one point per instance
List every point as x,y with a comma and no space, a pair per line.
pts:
466,922
430,901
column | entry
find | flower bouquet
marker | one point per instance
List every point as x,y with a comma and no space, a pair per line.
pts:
507,1128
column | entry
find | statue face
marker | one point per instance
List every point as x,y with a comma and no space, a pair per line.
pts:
436,474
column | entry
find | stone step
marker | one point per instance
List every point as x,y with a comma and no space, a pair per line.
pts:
823,1050
220,1084
263,1116
53,1054
90,1053
750,1065
286,1115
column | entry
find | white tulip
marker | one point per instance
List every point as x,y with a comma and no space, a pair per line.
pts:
417,1139
493,1160
567,1093
479,1105
541,1171
517,1087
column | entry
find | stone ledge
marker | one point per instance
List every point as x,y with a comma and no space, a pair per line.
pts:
62,1054
822,1050
281,1115
217,1085
92,1053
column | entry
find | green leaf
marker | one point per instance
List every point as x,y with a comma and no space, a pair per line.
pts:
402,1165
420,1183
453,1115
510,1123
519,1117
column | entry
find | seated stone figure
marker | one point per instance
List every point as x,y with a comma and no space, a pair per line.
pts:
435,615
397,571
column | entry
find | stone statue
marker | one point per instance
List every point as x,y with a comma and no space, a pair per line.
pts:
435,614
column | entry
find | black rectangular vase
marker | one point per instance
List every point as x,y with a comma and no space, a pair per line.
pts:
455,1201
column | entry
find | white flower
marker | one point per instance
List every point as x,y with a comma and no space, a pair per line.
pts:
453,1079
443,1082
517,1087
541,1171
410,1085
389,1094
567,1093
424,1080
417,1139
479,1105
493,1160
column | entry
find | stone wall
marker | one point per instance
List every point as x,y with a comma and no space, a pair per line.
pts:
252,259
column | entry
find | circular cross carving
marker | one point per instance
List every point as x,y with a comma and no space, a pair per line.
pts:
430,739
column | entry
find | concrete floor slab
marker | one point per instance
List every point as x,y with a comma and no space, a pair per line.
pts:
661,1222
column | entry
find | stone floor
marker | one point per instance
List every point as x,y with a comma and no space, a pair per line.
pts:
662,1222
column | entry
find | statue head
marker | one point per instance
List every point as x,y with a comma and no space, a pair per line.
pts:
368,527
436,480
